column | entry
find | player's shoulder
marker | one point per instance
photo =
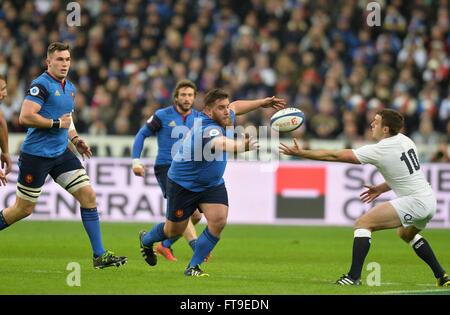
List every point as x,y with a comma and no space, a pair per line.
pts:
210,127
404,138
395,141
163,112
212,131
39,87
195,112
42,80
169,110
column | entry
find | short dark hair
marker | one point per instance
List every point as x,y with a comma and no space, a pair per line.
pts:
184,84
57,46
2,78
392,119
213,95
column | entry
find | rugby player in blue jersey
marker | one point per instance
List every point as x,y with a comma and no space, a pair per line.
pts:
46,111
195,178
161,125
5,159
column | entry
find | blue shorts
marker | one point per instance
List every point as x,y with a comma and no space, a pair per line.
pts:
161,177
33,170
181,203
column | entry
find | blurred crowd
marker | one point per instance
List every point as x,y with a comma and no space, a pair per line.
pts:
321,55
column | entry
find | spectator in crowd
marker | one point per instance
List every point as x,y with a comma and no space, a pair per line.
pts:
441,155
321,58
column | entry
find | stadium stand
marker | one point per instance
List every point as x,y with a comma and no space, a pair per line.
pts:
320,55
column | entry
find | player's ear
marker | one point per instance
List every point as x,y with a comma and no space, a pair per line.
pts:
207,110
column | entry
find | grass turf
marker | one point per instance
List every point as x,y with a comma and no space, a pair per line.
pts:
268,260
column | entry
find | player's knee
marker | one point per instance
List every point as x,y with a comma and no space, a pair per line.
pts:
173,231
91,196
218,225
87,197
361,223
196,217
404,235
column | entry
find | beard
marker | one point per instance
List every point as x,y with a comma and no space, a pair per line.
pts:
184,107
225,122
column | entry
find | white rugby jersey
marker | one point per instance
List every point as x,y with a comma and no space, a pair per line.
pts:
397,160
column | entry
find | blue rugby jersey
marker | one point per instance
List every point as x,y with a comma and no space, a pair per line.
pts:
162,124
193,170
55,100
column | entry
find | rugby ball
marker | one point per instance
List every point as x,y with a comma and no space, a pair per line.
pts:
287,119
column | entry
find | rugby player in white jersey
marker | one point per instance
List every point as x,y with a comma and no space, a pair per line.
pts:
395,156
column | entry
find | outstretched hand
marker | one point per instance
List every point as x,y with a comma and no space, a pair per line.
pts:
294,150
370,194
275,103
250,143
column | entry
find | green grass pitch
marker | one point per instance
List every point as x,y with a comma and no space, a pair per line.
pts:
267,260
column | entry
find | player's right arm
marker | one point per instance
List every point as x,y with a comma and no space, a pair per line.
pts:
5,159
151,127
29,117
223,143
346,155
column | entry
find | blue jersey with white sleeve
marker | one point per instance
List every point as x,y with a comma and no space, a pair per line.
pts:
195,167
56,99
162,124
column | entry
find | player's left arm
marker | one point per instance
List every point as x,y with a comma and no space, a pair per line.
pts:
241,107
373,191
80,145
346,155
151,127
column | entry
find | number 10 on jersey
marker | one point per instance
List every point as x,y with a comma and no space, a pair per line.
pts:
412,158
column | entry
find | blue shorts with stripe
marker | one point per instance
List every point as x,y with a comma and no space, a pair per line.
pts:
33,170
181,202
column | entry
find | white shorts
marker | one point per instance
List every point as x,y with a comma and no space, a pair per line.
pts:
415,210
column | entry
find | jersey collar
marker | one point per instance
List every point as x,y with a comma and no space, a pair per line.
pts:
55,79
184,117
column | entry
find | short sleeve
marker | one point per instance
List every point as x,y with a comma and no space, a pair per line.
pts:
368,154
154,123
37,93
211,132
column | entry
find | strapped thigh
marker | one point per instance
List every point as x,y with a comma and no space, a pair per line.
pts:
69,173
73,180
28,193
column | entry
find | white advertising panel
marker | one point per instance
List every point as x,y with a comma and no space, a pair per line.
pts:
121,196
259,193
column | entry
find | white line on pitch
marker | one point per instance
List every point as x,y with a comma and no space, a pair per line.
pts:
413,291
